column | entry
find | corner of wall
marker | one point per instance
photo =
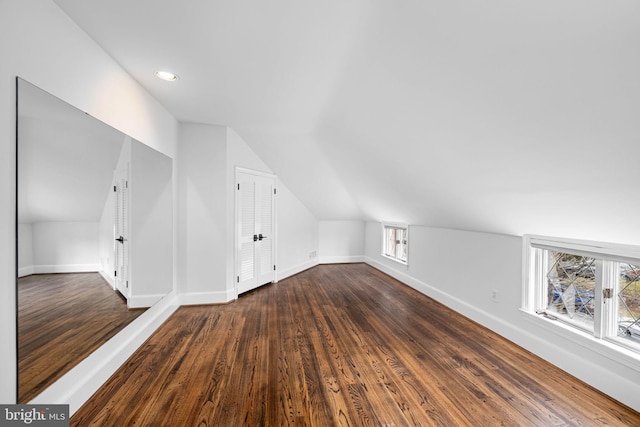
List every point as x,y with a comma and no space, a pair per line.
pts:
341,241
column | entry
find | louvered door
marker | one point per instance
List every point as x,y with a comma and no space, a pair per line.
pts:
121,233
255,225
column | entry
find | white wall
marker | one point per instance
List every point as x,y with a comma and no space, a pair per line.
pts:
42,45
202,180
151,233
66,247
297,234
25,249
58,247
461,269
341,241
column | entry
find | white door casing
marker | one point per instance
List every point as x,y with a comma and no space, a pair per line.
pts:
255,229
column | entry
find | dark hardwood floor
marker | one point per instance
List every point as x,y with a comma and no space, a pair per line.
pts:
62,318
339,345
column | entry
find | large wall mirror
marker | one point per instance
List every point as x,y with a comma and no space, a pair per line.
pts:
94,226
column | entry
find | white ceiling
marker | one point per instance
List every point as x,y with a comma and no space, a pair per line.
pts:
501,116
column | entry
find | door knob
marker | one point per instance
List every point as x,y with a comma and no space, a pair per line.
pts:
255,238
260,237
120,239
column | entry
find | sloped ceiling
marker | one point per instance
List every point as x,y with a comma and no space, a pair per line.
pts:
66,160
500,116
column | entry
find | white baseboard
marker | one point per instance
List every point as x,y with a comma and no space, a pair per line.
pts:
143,301
66,268
197,298
25,271
109,279
296,269
487,319
79,384
341,259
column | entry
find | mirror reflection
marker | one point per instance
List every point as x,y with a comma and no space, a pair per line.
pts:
94,218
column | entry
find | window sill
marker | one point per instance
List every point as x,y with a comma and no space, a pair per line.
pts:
608,349
396,260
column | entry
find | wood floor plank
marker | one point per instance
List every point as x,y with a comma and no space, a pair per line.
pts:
63,318
342,345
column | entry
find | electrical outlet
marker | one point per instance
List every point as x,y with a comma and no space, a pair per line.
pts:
494,295
313,254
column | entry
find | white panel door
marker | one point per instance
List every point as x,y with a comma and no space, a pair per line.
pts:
255,225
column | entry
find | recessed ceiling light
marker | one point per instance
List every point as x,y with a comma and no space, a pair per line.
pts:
166,75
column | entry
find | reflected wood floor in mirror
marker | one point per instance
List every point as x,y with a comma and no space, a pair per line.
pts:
339,345
62,318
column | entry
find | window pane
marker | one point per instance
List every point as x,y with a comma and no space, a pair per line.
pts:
391,242
398,243
629,302
571,287
402,253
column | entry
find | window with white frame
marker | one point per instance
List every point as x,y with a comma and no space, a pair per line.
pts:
592,286
395,242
